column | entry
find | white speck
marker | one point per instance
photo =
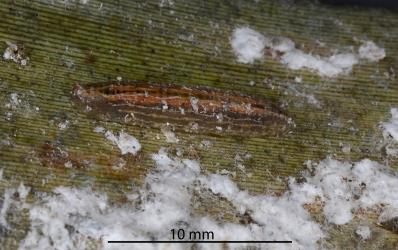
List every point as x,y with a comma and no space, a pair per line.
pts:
338,22
23,191
227,172
68,164
166,3
219,128
247,44
345,148
390,133
19,104
320,43
239,163
391,127
5,142
14,100
298,79
63,125
282,44
194,126
9,52
194,103
370,51
119,78
363,232
99,129
8,116
169,134
125,142
389,213
164,105
6,203
219,117
206,144
15,53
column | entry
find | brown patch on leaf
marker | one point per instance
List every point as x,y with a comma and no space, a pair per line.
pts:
55,155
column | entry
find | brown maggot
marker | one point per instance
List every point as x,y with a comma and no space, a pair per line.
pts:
180,103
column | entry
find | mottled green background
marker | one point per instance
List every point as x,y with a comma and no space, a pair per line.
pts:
188,44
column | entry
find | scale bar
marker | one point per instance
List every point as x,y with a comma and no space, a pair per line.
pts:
201,241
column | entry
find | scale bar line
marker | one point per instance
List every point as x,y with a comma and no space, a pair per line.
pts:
202,241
